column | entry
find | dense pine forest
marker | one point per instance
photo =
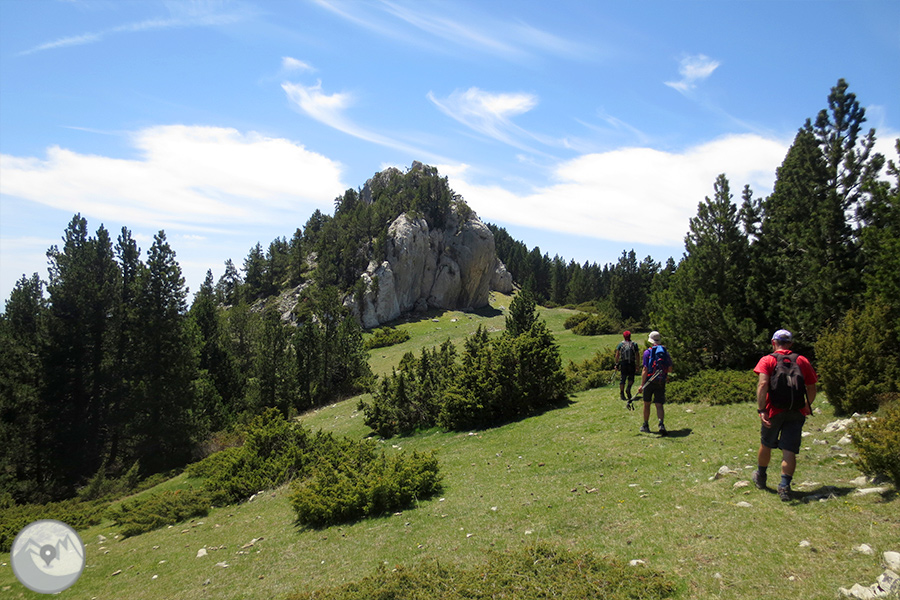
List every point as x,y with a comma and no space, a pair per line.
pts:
106,367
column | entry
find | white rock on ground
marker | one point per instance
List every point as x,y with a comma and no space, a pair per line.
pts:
887,585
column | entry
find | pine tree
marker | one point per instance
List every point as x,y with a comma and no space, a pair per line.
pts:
880,238
228,288
83,292
128,367
522,314
703,308
255,274
273,365
808,247
164,429
214,360
23,419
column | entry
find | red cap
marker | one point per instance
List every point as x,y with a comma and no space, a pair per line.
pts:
626,335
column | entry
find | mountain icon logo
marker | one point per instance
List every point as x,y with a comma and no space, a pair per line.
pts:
47,556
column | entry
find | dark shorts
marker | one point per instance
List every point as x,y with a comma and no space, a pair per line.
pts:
785,432
655,392
626,371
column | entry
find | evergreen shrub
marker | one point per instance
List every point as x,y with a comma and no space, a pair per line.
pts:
158,510
595,325
714,387
527,573
100,486
497,381
214,463
878,441
592,373
335,479
573,320
355,481
385,336
275,450
77,514
859,360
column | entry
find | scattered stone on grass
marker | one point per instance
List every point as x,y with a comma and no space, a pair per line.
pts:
886,586
892,561
201,552
722,472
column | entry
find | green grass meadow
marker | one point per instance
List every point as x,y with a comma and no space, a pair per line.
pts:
579,477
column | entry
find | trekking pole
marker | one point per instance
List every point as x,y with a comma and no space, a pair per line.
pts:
631,401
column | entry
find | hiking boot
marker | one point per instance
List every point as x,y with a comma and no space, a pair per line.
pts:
645,428
662,430
784,492
759,479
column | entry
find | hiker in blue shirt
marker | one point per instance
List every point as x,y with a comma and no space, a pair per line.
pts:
657,365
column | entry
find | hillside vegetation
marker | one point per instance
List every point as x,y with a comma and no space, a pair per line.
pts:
571,481
111,383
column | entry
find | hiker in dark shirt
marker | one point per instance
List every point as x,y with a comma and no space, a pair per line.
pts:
626,359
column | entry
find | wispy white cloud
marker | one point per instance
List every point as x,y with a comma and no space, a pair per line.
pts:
489,113
289,64
631,195
182,14
199,177
693,69
330,109
408,21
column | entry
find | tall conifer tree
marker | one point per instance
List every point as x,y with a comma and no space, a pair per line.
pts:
165,427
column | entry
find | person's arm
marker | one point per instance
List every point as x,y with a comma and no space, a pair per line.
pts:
643,378
762,393
808,375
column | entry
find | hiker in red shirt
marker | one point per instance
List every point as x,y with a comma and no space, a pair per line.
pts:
784,397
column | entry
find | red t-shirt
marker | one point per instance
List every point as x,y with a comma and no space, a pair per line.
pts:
767,365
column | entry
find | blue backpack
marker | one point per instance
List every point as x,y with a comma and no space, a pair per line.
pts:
659,361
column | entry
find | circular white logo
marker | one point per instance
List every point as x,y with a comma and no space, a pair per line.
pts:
47,556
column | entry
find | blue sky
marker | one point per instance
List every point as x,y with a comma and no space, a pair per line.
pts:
586,128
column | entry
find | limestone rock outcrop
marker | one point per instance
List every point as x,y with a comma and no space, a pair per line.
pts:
452,267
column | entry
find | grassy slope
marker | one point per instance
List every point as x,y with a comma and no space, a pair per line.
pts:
580,476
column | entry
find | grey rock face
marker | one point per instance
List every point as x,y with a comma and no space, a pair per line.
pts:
449,268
